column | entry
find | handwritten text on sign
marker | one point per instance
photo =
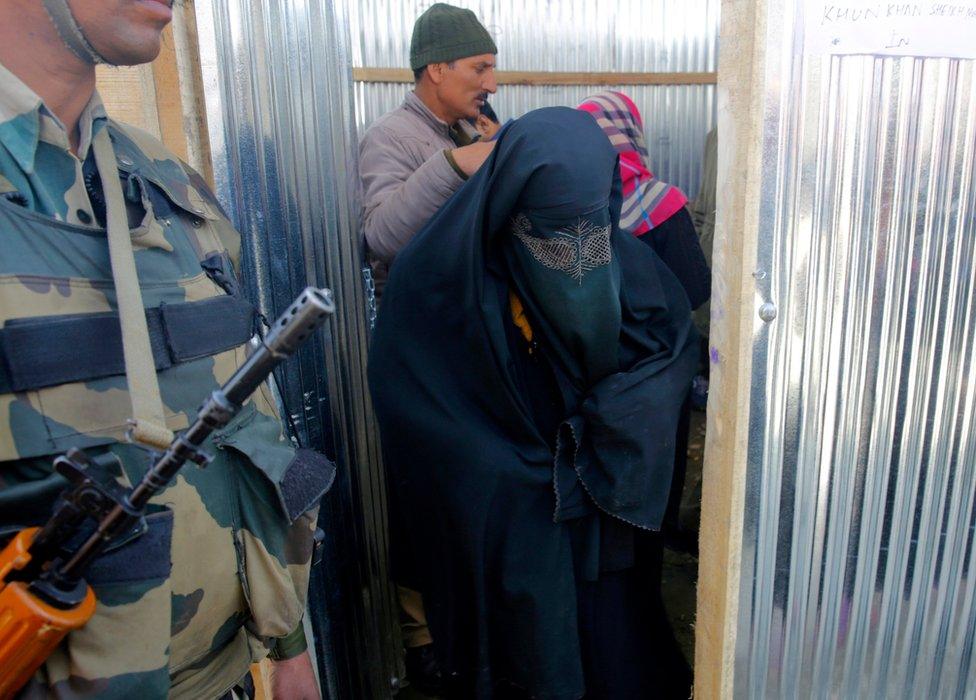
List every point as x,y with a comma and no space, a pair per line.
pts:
925,28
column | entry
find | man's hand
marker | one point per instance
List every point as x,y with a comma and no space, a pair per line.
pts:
469,158
294,679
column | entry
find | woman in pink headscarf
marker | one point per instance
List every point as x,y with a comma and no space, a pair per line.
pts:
652,210
655,212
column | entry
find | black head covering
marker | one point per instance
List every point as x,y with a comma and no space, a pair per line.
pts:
472,472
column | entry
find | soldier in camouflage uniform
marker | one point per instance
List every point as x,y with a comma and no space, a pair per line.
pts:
219,579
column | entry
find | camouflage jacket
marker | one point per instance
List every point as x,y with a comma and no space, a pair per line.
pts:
223,569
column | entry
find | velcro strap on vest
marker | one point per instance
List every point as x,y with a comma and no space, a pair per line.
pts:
305,481
49,350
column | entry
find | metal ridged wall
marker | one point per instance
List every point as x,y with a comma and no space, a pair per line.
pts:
858,568
278,86
569,35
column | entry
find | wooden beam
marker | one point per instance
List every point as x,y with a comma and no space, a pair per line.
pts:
741,119
402,75
169,106
165,97
187,53
129,95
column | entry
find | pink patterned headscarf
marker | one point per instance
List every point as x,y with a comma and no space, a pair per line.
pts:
647,200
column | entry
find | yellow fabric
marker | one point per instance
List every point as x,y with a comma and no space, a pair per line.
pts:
519,318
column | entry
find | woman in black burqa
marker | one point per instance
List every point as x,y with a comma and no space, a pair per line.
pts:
527,371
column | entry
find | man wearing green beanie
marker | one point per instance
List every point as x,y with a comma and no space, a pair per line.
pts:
414,158
411,161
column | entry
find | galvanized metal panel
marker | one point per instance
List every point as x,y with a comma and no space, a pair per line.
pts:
278,87
858,565
570,35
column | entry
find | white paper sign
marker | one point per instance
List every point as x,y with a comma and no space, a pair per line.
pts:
924,28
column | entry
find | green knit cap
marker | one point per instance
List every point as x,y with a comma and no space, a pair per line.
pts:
445,33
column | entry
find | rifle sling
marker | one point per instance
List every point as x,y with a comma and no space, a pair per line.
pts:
148,422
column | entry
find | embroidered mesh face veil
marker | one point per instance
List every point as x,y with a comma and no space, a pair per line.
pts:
574,250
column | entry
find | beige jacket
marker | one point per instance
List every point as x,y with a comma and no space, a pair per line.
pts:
406,177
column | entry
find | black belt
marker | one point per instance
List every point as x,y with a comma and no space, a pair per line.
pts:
49,350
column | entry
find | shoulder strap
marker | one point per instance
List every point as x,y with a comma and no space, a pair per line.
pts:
148,420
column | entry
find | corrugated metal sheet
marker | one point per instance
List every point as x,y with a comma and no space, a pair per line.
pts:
858,567
570,35
284,150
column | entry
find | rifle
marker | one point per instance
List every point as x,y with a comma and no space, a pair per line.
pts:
43,594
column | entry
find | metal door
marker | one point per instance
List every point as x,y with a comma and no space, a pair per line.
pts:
278,88
857,562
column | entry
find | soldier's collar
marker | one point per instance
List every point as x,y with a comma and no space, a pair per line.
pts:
93,118
15,97
20,120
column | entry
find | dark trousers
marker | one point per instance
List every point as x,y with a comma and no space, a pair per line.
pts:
629,649
671,525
